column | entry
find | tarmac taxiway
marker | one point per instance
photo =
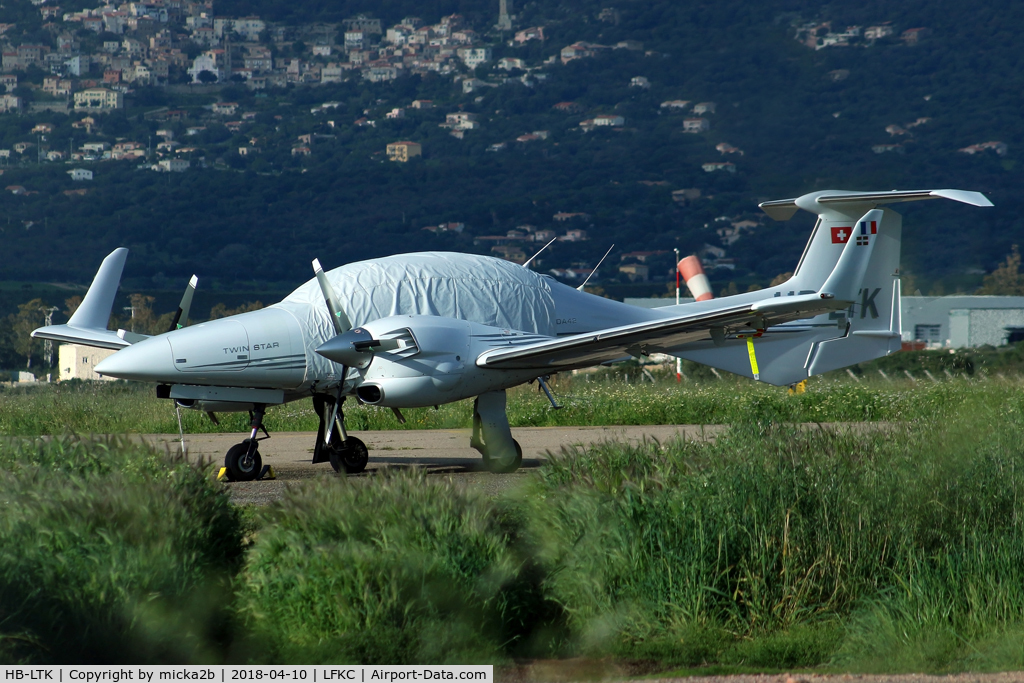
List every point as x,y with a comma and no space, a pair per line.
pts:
441,452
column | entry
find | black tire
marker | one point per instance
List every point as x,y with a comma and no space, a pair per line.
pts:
493,465
351,458
237,469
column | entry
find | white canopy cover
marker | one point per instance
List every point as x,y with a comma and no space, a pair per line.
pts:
485,290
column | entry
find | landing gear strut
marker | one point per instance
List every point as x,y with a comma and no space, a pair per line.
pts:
500,451
347,454
243,460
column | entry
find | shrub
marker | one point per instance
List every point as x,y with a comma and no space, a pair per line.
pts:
405,569
111,552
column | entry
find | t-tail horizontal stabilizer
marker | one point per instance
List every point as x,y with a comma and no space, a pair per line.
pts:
88,324
826,201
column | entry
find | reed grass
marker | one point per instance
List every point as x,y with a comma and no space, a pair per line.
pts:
915,530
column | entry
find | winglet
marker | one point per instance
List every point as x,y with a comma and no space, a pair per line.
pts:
780,209
972,198
848,275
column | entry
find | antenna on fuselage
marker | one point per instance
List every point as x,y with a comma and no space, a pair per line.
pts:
527,264
580,288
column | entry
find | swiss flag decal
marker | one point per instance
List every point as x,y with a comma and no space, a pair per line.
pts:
841,235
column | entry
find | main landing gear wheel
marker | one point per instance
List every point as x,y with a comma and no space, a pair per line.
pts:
241,466
350,458
504,466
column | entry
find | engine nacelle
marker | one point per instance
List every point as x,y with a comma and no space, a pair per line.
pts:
433,361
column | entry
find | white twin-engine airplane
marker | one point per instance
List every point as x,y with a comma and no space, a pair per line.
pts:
417,330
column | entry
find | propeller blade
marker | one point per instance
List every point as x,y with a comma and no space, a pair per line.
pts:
341,322
185,306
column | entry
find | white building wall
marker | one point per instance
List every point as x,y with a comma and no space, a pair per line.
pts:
75,361
945,313
982,326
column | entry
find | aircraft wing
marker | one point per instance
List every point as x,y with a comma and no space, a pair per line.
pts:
69,334
671,334
659,336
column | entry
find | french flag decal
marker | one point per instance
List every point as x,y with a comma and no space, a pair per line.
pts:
866,230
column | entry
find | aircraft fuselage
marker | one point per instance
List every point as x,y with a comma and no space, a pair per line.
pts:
275,348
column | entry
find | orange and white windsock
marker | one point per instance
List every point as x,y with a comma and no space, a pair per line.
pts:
696,280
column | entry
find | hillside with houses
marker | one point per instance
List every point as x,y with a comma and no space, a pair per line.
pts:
239,140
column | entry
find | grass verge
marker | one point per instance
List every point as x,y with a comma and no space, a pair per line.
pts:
121,407
773,548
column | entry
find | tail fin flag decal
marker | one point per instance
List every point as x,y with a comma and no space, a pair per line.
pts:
841,234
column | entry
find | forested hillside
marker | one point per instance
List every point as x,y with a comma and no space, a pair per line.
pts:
804,119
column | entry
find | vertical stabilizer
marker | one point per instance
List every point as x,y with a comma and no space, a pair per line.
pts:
872,321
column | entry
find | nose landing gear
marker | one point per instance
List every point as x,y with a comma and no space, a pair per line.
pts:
243,460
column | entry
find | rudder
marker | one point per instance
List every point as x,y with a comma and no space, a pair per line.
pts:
873,320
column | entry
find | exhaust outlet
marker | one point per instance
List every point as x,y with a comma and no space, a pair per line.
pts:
371,394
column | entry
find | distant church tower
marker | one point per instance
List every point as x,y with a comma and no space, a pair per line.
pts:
504,15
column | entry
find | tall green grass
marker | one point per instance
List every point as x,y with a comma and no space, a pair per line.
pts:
407,570
916,530
120,407
779,545
112,552
775,546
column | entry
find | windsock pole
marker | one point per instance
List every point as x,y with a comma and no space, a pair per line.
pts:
696,281
679,361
